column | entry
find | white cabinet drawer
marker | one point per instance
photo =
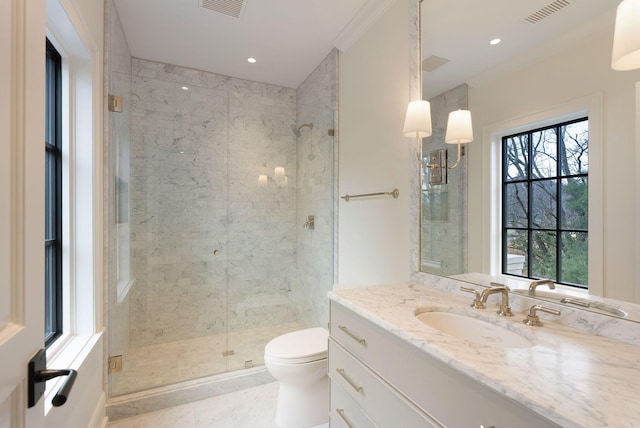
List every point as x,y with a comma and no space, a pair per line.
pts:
360,337
345,413
451,398
383,405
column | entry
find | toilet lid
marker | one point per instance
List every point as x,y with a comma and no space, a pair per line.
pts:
300,346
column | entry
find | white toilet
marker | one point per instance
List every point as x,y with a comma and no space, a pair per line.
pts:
298,360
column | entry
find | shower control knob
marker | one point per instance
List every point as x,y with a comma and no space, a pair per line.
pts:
310,223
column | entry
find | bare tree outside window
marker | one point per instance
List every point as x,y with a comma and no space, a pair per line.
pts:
545,203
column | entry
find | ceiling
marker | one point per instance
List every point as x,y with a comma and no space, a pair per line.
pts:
288,38
463,38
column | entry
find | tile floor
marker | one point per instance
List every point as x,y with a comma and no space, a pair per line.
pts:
188,359
250,408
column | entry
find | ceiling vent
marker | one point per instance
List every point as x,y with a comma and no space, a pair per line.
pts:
547,11
233,8
433,62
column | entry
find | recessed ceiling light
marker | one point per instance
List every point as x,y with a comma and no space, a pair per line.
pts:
251,60
495,41
184,88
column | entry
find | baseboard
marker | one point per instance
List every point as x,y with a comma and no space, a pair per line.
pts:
99,417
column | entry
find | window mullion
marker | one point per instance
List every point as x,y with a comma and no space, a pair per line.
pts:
529,205
560,152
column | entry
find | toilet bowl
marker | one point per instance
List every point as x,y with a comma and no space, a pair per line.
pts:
298,360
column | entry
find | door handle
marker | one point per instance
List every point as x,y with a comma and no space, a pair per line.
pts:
38,375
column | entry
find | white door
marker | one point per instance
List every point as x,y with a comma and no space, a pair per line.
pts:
22,43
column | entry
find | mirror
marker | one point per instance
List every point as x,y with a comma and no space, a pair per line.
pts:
553,55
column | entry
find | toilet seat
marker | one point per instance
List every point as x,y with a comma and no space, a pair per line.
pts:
302,346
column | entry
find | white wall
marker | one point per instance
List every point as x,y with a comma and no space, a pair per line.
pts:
557,79
373,233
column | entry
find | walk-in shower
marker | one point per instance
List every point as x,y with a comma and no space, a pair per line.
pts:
206,266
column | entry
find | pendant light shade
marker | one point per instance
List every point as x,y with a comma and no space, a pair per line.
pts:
417,122
626,38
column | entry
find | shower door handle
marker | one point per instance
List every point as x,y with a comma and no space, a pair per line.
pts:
39,375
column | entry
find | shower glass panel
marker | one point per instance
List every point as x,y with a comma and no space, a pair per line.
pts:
315,196
261,253
179,229
118,132
206,262
443,230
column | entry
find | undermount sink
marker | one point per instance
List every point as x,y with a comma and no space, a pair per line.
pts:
474,329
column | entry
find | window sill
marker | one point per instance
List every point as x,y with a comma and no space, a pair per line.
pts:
68,352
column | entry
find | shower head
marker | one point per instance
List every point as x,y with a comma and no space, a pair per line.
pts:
296,129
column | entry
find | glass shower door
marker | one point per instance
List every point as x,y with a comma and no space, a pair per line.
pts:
262,216
171,321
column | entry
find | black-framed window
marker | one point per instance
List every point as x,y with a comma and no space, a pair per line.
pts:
53,196
545,203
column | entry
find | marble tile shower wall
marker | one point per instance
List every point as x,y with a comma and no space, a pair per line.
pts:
211,250
317,104
444,207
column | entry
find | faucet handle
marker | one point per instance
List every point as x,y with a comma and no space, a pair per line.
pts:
477,302
533,319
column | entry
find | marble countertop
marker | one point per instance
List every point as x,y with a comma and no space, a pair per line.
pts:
571,377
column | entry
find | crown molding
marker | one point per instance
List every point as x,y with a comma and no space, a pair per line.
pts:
366,16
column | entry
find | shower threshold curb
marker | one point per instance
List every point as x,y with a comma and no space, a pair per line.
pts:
154,399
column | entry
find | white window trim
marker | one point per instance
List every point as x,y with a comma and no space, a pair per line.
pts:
82,190
590,106
637,194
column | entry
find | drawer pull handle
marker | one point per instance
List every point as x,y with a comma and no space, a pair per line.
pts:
344,418
351,335
353,385
490,426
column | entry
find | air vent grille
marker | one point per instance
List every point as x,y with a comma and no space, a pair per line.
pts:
234,8
433,62
547,11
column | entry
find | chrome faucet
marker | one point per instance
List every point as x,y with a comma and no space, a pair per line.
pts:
505,309
534,284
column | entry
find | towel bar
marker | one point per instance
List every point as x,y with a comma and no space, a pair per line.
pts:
395,193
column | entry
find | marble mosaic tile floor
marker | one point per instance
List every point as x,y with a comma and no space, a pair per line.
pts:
250,408
167,363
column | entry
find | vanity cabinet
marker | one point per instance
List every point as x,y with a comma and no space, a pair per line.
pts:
375,399
378,379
